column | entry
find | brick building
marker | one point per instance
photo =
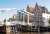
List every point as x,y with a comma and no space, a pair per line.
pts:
37,11
14,18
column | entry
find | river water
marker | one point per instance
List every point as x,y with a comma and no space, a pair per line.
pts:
19,32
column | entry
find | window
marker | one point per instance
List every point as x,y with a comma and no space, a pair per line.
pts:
22,11
34,15
35,9
19,13
42,11
34,12
39,11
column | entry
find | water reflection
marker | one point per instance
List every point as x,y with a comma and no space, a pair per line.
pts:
33,32
45,32
28,33
19,32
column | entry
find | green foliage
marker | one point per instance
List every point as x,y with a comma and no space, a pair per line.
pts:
49,21
31,20
25,19
10,19
4,20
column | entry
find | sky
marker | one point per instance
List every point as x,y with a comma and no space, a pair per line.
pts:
20,4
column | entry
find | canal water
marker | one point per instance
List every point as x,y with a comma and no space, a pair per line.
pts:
19,32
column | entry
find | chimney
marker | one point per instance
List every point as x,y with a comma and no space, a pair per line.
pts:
45,9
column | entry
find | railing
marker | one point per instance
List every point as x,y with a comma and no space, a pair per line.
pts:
18,22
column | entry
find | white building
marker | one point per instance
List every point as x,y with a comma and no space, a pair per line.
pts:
20,14
45,17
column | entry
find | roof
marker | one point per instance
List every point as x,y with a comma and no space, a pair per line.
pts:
43,9
31,9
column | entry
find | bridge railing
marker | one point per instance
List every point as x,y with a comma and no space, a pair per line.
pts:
18,22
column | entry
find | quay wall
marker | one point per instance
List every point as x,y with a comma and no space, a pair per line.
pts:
3,29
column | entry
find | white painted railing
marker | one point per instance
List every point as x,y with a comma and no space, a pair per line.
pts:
18,22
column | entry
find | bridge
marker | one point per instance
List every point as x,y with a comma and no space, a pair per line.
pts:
11,23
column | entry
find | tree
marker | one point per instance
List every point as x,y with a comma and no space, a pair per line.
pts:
49,21
9,19
4,20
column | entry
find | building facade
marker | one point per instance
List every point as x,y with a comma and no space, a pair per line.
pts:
20,14
37,11
14,18
38,18
46,18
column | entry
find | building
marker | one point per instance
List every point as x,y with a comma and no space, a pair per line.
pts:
14,18
38,11
38,18
0,22
20,14
46,17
